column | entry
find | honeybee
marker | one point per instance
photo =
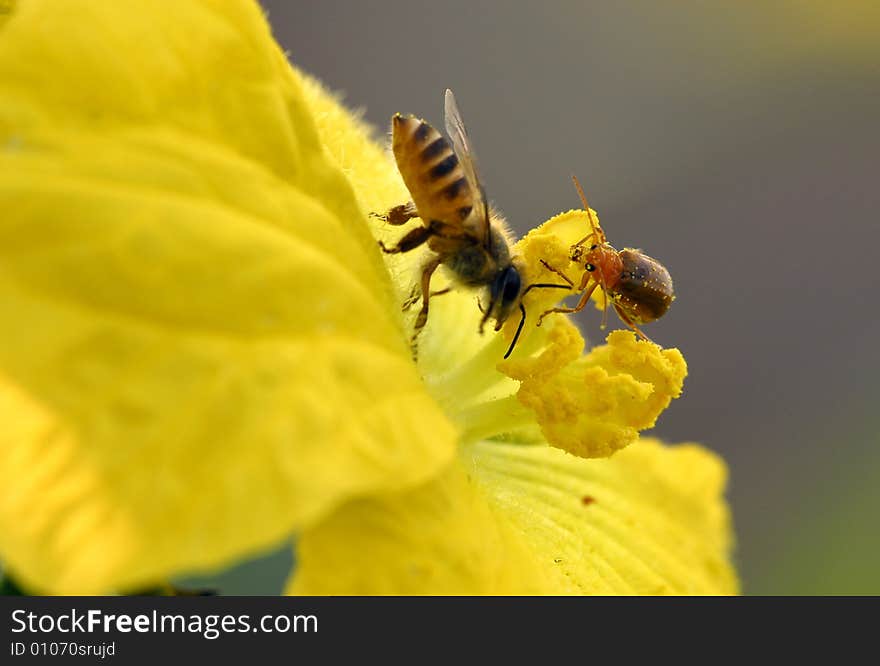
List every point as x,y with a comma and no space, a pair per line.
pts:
639,287
457,224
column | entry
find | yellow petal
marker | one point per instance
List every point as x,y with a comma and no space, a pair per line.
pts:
6,9
650,520
199,349
523,519
441,538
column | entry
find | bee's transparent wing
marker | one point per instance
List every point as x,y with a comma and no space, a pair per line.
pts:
461,144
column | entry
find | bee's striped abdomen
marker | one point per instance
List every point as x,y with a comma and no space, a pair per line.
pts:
431,171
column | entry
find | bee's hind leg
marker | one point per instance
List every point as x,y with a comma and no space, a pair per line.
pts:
409,242
399,214
422,317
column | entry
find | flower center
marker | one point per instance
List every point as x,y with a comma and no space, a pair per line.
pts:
548,390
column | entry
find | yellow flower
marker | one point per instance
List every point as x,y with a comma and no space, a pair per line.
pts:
202,351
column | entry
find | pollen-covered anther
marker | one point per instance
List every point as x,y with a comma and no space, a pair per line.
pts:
594,405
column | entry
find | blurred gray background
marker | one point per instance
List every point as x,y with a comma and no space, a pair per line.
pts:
739,145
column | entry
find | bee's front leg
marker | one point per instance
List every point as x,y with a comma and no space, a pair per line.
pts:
415,296
399,214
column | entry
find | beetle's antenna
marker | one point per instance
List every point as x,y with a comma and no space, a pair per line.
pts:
597,230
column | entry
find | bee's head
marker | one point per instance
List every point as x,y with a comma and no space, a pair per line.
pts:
504,296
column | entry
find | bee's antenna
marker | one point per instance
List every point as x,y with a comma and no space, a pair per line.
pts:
522,309
597,230
541,285
519,328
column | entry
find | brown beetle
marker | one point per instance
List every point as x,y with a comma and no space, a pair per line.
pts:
639,287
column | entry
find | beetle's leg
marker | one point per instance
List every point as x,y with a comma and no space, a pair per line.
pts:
626,320
602,284
581,303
